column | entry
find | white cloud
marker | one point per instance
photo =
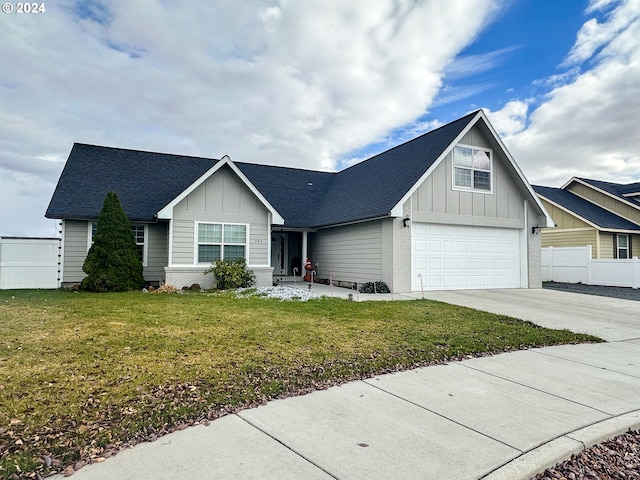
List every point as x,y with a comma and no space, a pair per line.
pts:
511,119
588,127
594,35
290,83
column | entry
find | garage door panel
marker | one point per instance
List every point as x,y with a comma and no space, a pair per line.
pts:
465,257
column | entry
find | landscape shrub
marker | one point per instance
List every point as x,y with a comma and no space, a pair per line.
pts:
230,274
374,287
112,263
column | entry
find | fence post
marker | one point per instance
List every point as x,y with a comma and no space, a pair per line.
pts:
551,264
634,273
588,264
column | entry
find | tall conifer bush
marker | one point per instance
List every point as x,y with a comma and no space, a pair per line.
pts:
113,264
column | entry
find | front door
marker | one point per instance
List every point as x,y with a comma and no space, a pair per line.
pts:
279,253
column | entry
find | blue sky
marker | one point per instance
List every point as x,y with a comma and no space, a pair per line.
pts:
318,84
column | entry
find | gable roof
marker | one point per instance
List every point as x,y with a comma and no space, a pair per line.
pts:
166,212
145,181
585,210
372,188
623,192
150,184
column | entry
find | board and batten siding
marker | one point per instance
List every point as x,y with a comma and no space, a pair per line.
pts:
222,198
352,253
436,201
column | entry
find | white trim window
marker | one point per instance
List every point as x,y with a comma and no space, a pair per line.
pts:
623,246
472,169
140,233
220,241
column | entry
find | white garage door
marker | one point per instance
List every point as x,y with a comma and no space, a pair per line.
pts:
451,257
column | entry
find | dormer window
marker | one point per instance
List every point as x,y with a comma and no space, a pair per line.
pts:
472,169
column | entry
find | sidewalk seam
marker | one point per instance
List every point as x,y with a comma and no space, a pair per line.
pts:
422,407
291,449
538,390
587,364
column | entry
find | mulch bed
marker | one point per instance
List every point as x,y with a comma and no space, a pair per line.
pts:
616,459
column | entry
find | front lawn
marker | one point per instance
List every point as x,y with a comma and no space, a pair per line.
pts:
83,375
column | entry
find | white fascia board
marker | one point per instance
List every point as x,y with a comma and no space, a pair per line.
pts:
626,232
167,211
276,217
525,182
396,211
570,212
570,181
604,192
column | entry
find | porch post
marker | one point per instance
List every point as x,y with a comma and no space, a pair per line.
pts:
304,252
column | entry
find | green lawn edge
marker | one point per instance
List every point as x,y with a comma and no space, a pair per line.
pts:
85,375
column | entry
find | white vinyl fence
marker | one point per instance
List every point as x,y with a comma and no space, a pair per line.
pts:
30,262
575,265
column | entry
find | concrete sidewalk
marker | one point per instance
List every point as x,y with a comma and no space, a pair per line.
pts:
501,417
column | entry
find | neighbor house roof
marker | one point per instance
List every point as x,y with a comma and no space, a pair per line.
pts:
584,209
147,182
621,191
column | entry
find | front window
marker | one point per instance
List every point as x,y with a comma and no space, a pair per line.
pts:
472,169
221,241
622,246
139,233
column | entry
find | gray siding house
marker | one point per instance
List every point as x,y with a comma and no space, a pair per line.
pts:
449,209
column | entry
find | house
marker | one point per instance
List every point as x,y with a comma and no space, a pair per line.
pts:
449,209
604,215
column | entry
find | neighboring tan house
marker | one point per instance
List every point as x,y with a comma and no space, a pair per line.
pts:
449,209
604,215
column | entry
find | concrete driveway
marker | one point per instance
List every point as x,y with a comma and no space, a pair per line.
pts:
611,319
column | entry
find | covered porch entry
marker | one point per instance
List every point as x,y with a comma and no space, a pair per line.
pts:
289,249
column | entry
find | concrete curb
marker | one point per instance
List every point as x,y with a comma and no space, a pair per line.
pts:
547,455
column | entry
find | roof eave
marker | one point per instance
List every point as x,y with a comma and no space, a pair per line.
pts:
397,210
620,198
352,222
570,212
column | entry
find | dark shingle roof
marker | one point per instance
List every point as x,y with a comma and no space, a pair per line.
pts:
616,189
372,188
288,190
146,182
585,209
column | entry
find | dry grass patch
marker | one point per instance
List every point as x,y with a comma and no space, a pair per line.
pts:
82,375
